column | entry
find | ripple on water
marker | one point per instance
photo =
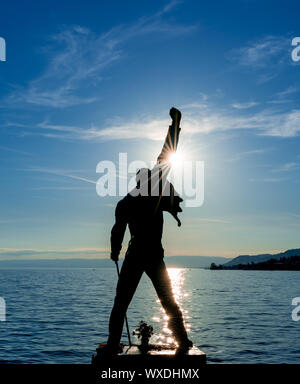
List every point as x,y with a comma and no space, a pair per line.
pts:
59,316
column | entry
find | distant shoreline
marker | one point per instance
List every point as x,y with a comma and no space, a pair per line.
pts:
171,261
291,263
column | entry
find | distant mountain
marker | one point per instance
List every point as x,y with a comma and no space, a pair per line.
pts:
172,261
246,259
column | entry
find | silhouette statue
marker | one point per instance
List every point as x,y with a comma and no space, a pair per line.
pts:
142,210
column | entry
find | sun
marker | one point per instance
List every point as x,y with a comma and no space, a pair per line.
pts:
176,159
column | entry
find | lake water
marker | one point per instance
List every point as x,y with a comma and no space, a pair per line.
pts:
59,316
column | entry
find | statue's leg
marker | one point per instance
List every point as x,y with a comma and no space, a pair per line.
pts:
159,275
130,276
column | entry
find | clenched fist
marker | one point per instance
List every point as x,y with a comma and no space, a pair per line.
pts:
114,256
175,114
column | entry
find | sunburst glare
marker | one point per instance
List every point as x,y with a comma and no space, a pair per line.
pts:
176,159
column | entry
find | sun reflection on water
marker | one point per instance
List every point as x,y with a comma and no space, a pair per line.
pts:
177,277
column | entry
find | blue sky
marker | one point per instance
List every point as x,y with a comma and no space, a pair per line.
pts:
83,83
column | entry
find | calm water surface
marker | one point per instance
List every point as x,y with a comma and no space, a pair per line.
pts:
59,315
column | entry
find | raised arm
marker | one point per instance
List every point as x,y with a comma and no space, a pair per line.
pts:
171,140
163,165
169,199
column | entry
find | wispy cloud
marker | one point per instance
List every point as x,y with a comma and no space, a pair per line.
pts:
287,167
202,116
240,155
266,55
196,120
284,124
246,105
269,179
15,151
282,96
258,53
208,220
283,172
168,7
78,59
63,173
59,188
290,90
150,128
